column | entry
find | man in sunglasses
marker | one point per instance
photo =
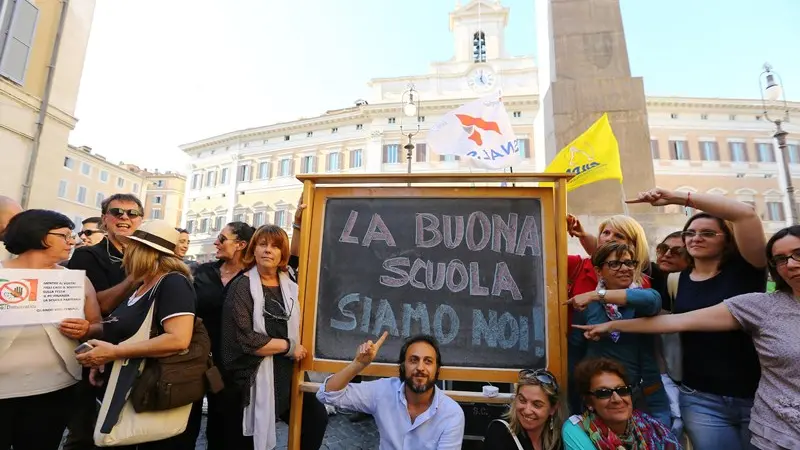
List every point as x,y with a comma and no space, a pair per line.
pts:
102,262
91,233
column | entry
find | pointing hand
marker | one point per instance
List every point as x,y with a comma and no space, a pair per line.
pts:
367,351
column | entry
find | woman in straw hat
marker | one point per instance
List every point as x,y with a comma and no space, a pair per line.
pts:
165,280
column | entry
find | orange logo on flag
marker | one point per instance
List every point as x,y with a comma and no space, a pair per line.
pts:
471,124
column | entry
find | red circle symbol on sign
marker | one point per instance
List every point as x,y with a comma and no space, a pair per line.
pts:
14,292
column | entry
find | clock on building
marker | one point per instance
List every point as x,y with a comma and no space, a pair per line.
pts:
482,79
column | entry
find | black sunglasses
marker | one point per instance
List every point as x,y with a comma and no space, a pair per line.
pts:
119,212
663,249
89,233
605,393
543,376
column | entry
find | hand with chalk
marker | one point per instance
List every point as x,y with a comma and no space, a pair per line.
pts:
367,351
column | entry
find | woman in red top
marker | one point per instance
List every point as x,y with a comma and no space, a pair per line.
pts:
582,277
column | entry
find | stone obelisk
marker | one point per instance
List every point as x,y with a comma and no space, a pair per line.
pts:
583,73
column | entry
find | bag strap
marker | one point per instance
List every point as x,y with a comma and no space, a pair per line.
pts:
514,436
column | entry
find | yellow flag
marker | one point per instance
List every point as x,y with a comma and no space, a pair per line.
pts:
592,156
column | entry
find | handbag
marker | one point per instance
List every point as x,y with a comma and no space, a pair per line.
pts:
118,423
177,380
671,342
514,436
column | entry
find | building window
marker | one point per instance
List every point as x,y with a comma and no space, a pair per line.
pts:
766,153
794,153
732,117
421,119
196,181
285,168
355,158
120,182
359,127
62,188
738,151
263,171
244,173
98,199
223,178
81,197
190,226
211,179
258,219
334,162
775,211
69,163
334,130
218,222
449,158
709,151
517,113
421,152
203,225
155,214
104,176
673,116
702,117
136,188
86,169
307,164
391,154
654,149
280,218
310,134
160,183
479,47
17,29
157,199
679,150
392,120
524,147
287,137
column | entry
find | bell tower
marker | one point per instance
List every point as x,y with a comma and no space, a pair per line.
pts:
478,29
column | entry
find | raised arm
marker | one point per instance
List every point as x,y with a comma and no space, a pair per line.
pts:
713,318
575,229
747,227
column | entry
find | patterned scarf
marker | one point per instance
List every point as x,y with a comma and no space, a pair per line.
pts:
612,311
643,433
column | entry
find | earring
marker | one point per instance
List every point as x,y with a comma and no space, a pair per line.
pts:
551,423
590,409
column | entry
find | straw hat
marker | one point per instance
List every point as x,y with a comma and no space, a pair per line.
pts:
157,234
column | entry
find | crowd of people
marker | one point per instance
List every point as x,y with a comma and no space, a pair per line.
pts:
683,347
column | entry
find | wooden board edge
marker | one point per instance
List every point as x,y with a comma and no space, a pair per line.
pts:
458,396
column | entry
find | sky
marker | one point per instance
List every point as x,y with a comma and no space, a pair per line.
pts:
161,73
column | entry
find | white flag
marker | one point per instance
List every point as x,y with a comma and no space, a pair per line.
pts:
480,132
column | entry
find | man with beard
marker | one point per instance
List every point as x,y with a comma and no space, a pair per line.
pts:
410,411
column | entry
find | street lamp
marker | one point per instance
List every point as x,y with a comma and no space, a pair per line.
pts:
410,103
773,94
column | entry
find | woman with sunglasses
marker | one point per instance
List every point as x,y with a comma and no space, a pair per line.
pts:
534,418
610,421
261,342
772,321
617,268
211,282
720,370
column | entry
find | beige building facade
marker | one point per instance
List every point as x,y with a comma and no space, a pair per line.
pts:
86,179
28,48
721,146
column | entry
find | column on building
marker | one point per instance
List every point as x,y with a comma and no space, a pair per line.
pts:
373,153
233,183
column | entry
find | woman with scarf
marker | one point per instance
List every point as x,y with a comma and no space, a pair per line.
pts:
619,297
261,342
610,421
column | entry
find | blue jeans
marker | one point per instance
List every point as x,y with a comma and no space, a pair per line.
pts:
715,422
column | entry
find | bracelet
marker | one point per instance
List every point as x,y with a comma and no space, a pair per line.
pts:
295,225
290,351
689,203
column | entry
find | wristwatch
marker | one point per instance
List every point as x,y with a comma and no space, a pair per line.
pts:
601,293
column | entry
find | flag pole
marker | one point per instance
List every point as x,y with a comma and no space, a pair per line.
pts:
622,198
513,183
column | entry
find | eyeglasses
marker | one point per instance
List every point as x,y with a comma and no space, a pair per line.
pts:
705,234
782,260
119,212
67,237
543,376
663,249
89,233
605,393
616,264
222,239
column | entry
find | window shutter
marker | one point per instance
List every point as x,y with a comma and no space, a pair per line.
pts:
385,157
673,150
352,159
341,161
313,164
654,149
328,162
441,157
527,143
291,167
17,46
422,152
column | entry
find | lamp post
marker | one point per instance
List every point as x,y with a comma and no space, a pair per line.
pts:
410,104
772,94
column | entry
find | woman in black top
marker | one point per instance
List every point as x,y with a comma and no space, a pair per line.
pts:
261,342
720,370
166,281
534,419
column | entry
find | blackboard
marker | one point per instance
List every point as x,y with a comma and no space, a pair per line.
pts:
478,285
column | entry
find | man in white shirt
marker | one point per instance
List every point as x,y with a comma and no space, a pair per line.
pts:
411,412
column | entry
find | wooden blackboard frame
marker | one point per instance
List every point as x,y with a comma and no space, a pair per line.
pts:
318,188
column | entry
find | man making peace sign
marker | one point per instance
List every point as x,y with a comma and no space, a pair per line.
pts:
410,411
